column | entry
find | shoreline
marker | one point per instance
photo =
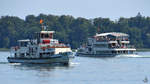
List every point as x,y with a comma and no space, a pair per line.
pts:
4,49
143,49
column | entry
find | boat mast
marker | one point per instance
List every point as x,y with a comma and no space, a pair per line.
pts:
44,28
42,25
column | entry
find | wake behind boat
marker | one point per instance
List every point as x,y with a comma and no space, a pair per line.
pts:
42,49
107,45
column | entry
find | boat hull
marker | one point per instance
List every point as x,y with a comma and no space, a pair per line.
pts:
39,60
106,55
94,55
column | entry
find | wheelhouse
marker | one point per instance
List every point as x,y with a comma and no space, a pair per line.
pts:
23,43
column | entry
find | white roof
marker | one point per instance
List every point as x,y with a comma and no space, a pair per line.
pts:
47,31
117,34
25,40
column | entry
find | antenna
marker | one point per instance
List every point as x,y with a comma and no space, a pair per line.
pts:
45,28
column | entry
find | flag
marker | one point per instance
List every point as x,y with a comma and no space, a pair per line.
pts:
41,21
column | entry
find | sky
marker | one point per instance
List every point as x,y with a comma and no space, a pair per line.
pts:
89,9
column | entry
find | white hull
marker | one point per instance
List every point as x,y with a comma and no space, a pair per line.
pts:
128,55
107,55
39,60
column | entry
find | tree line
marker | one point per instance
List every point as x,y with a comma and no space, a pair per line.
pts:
73,31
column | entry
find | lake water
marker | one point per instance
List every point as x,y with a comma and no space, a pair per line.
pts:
82,70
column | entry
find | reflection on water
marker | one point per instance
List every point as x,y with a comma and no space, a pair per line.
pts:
42,73
4,63
40,67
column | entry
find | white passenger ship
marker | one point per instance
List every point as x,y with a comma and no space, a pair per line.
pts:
43,49
107,45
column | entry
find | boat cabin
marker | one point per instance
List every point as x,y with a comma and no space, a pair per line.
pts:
110,40
112,36
23,43
46,34
46,37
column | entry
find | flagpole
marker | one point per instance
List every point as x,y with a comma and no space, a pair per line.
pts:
41,22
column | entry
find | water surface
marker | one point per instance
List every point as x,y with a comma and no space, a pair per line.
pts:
82,70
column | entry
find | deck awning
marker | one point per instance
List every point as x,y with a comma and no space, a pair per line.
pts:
116,34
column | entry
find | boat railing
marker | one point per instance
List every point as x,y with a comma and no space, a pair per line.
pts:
108,40
127,46
15,48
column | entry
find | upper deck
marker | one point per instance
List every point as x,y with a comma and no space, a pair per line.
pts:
116,34
110,40
47,32
112,37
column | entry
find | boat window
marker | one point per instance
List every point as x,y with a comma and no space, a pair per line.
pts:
52,53
23,44
46,35
103,52
15,54
27,54
90,49
40,55
22,54
114,52
100,45
130,52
